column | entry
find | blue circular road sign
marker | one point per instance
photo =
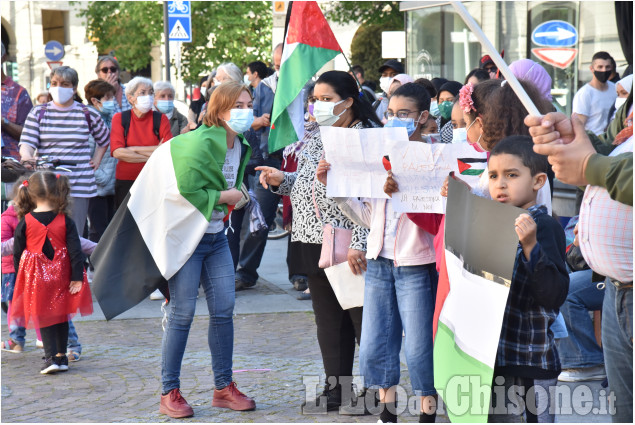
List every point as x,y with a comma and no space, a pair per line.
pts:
54,50
555,34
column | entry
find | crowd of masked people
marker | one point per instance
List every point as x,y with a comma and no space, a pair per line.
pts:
560,274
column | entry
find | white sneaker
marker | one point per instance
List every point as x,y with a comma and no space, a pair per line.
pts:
156,295
595,373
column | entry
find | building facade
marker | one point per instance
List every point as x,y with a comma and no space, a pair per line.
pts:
439,43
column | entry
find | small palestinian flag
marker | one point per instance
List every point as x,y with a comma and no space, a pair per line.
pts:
309,45
472,166
471,299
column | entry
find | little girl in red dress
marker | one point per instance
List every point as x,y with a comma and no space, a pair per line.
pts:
51,284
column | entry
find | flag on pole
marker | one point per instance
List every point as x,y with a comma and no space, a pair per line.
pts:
161,222
309,44
472,295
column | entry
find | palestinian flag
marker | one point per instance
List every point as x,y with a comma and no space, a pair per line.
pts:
309,44
471,298
164,217
471,166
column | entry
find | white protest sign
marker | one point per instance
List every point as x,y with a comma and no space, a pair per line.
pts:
420,170
356,156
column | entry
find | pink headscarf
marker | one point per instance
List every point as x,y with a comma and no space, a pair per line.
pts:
526,69
403,79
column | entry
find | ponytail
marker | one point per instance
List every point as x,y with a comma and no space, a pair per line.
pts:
23,201
55,188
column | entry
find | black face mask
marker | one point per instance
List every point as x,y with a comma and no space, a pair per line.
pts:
602,76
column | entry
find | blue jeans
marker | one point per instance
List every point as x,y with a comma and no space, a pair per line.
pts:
396,299
73,339
254,245
617,342
211,266
580,349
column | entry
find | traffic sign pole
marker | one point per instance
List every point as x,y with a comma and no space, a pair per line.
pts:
166,31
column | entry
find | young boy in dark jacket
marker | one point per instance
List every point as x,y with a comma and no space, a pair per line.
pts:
527,359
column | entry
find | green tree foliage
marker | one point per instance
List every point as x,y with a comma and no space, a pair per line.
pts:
129,28
366,12
229,31
374,17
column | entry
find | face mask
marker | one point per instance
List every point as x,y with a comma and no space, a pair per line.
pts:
602,76
434,108
408,124
445,109
240,120
323,112
203,90
144,103
459,135
61,95
107,107
165,106
619,102
385,82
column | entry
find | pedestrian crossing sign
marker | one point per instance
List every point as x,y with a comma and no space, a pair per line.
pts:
179,21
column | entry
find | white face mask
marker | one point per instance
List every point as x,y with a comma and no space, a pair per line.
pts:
323,112
459,135
203,90
61,95
385,82
619,102
144,103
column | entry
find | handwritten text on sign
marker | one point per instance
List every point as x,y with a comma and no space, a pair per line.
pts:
356,156
420,170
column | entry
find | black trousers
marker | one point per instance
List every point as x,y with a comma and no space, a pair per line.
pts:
122,187
337,329
101,210
55,339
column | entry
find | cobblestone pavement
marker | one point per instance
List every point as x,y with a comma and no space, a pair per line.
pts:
118,376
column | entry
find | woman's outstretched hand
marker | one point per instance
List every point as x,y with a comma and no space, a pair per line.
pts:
270,176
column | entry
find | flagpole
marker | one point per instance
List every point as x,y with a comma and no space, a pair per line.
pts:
498,60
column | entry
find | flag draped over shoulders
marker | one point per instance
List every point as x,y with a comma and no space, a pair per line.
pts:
164,217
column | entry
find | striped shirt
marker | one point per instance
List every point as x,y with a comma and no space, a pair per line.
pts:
125,105
605,230
63,134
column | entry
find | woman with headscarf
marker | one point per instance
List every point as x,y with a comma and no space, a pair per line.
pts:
445,100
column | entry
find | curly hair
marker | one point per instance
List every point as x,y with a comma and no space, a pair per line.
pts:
501,110
44,185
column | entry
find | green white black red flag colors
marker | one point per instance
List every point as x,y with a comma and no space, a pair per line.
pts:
472,166
163,219
476,282
308,46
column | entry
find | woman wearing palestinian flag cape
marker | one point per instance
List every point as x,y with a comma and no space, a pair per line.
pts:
171,228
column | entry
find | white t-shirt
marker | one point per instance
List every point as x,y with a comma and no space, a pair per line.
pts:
390,231
595,104
230,171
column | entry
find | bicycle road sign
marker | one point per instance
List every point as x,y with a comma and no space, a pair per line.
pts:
179,21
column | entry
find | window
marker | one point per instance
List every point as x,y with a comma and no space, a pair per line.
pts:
54,24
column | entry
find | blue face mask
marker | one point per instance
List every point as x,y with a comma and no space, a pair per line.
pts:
107,108
165,106
240,120
408,123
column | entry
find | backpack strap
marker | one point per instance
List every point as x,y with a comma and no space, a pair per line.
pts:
125,123
88,120
41,113
376,103
156,123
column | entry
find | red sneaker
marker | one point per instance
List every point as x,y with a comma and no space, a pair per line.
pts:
174,405
231,398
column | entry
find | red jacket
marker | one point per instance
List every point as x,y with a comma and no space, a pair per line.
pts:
9,223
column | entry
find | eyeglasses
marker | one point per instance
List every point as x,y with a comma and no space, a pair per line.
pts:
112,69
401,115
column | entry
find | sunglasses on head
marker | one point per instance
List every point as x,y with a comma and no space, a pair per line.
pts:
112,69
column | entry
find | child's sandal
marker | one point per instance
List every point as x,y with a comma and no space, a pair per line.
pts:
73,356
11,346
